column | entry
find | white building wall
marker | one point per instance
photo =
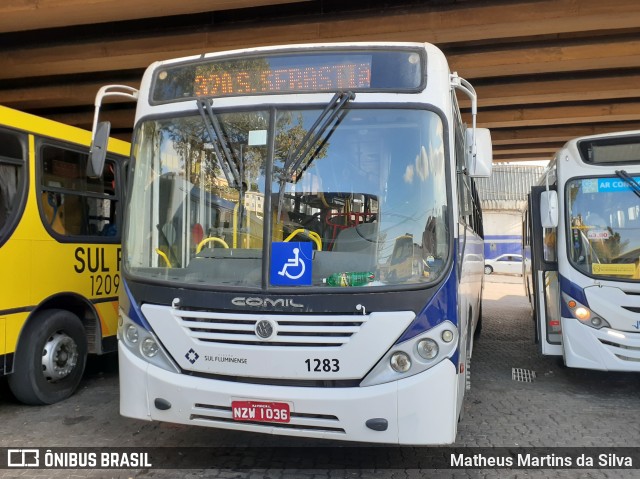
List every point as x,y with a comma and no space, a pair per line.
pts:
502,232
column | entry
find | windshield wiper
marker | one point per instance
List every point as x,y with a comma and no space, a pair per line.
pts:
633,184
225,157
315,133
330,117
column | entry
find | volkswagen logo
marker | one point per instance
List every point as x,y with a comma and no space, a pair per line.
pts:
265,329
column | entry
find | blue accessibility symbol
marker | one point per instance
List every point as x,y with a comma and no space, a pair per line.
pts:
291,264
637,325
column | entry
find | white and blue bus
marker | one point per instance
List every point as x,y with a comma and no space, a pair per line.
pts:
330,285
582,229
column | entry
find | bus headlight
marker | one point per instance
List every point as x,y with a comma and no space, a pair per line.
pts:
400,362
583,314
428,348
149,347
143,344
447,335
415,355
131,334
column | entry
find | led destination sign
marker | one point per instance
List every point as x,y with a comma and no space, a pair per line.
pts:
375,70
313,78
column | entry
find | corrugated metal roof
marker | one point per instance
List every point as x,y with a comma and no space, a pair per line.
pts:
508,186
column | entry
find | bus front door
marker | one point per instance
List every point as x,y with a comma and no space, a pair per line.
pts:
545,280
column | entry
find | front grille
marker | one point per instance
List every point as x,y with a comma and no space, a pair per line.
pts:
618,345
627,358
299,383
630,301
633,309
290,330
624,352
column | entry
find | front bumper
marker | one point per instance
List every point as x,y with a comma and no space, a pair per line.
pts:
420,410
603,349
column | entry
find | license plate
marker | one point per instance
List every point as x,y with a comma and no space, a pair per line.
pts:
260,411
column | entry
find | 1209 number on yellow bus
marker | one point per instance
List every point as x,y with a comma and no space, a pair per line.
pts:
104,263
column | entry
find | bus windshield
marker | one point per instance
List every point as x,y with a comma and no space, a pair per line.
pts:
604,227
369,195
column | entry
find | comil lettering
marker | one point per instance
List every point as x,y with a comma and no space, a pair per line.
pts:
265,302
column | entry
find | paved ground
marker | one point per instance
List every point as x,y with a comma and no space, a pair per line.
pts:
562,407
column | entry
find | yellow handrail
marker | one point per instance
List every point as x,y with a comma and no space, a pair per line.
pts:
235,225
209,240
164,257
312,234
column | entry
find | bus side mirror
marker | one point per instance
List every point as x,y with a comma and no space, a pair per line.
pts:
549,209
98,150
479,164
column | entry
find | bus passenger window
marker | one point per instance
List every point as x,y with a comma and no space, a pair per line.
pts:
11,162
549,241
72,204
8,189
51,203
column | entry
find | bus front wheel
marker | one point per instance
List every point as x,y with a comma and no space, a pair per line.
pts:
50,358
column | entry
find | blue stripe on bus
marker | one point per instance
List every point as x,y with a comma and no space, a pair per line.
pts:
442,307
573,290
131,308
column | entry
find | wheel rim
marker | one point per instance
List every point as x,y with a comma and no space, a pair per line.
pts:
59,357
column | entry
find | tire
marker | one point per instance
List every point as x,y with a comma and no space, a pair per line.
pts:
488,270
50,359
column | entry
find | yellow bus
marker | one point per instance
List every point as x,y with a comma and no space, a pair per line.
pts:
59,255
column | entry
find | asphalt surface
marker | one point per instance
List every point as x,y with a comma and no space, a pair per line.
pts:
561,407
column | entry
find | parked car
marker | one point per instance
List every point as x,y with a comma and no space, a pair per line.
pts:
508,263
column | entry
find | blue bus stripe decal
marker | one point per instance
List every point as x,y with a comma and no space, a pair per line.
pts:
442,307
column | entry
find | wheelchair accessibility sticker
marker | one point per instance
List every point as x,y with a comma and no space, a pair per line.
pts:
291,264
